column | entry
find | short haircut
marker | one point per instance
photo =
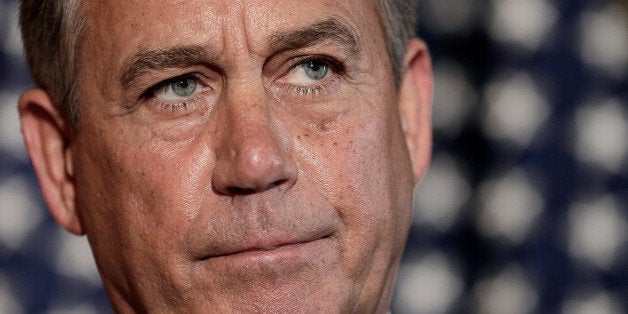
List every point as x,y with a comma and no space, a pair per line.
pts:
52,31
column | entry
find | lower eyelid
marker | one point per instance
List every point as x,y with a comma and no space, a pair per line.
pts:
176,106
328,86
187,105
307,90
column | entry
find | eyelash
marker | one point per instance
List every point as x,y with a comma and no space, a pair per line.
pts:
337,69
176,106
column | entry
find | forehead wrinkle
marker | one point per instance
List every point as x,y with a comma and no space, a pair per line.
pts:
164,58
327,29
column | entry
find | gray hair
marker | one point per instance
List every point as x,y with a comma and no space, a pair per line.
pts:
52,31
399,23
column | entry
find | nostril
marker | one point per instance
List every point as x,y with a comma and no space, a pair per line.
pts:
240,191
279,182
234,190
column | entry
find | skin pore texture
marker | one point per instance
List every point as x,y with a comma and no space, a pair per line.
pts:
280,181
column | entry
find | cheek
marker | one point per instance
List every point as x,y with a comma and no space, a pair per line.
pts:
350,163
148,195
139,196
366,201
146,168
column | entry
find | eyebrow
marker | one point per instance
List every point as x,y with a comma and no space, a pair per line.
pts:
175,57
328,29
145,61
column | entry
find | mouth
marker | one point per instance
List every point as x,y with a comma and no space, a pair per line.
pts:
268,249
262,250
272,266
272,254
270,260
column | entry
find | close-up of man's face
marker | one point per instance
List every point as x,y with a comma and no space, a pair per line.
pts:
237,155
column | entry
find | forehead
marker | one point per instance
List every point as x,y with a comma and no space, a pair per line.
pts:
133,25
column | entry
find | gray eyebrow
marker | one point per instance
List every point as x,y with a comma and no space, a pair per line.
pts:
328,29
185,56
175,57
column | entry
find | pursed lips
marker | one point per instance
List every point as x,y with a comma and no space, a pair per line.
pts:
266,245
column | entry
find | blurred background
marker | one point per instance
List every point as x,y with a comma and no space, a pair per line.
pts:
525,206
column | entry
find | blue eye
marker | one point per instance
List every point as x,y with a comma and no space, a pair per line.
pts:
177,88
309,72
184,87
315,70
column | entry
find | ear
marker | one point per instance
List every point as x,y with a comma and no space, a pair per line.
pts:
45,136
415,97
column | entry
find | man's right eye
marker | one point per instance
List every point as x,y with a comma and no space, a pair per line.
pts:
178,88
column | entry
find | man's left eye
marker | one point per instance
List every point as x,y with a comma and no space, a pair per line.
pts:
308,72
178,87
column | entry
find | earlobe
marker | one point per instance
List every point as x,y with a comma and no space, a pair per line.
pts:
415,105
43,129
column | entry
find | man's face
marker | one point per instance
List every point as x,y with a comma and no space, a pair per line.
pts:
241,155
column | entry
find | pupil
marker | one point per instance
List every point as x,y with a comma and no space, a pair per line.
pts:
183,83
184,87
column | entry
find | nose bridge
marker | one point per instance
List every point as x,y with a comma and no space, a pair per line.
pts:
252,155
250,136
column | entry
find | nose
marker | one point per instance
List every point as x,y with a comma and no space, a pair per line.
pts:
252,155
